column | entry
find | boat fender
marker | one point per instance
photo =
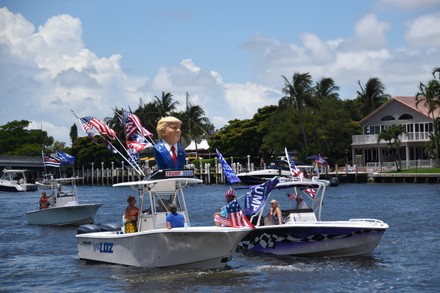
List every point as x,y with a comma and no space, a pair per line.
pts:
110,227
88,228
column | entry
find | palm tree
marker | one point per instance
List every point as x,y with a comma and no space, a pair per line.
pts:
429,95
326,88
298,94
194,122
392,136
165,104
372,96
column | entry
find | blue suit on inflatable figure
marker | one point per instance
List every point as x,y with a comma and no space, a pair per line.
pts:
168,153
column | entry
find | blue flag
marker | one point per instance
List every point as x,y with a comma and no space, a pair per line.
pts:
231,177
257,196
66,159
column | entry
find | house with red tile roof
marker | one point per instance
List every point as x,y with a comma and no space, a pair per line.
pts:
401,110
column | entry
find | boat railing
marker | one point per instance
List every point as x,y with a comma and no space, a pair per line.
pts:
367,220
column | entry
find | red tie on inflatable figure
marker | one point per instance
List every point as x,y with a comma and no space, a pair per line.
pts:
173,154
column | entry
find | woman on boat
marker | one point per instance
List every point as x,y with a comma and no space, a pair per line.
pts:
131,215
275,213
43,201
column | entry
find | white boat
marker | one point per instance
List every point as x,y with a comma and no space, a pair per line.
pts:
208,247
303,233
279,168
63,206
45,183
15,181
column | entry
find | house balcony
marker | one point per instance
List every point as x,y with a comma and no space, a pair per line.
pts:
363,140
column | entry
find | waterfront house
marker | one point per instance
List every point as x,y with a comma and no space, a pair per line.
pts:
400,110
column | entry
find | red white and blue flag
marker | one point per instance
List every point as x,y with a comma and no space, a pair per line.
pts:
294,170
320,160
90,123
310,191
138,143
236,216
133,125
51,161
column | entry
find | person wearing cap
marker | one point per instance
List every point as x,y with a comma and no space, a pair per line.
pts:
174,219
300,203
275,213
221,218
168,153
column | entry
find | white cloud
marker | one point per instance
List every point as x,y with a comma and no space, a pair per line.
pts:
425,31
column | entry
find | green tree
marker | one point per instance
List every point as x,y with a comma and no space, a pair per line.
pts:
194,122
392,136
298,94
326,88
165,104
17,140
73,133
429,96
371,97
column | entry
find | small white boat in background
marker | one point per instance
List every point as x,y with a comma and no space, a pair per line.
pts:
15,181
63,206
208,247
45,183
303,233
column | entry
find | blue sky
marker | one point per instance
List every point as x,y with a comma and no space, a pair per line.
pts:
92,56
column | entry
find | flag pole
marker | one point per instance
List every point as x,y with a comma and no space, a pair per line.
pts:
137,169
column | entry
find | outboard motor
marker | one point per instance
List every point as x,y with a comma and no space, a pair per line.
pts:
88,228
110,227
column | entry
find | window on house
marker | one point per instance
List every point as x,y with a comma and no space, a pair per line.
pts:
387,118
405,117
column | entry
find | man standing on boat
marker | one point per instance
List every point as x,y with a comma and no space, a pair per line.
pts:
168,153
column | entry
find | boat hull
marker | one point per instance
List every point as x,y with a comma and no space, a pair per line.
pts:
194,247
332,239
66,215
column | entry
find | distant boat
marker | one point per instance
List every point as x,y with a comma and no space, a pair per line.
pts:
64,208
45,183
278,168
15,181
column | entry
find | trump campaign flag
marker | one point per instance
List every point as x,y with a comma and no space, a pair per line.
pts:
231,177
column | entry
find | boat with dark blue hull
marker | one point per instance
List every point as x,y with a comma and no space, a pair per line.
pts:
303,233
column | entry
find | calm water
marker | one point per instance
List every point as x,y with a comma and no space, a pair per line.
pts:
44,259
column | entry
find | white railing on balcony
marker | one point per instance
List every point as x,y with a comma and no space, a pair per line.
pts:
406,137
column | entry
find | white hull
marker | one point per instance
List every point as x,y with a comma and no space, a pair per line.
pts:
65,215
193,247
324,238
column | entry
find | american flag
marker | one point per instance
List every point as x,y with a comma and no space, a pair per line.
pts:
51,161
89,123
311,192
236,216
294,170
321,160
133,125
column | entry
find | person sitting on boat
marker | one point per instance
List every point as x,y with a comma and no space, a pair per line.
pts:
275,217
43,201
174,219
300,203
168,153
131,215
221,218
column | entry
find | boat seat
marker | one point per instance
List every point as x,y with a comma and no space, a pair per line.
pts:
298,215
